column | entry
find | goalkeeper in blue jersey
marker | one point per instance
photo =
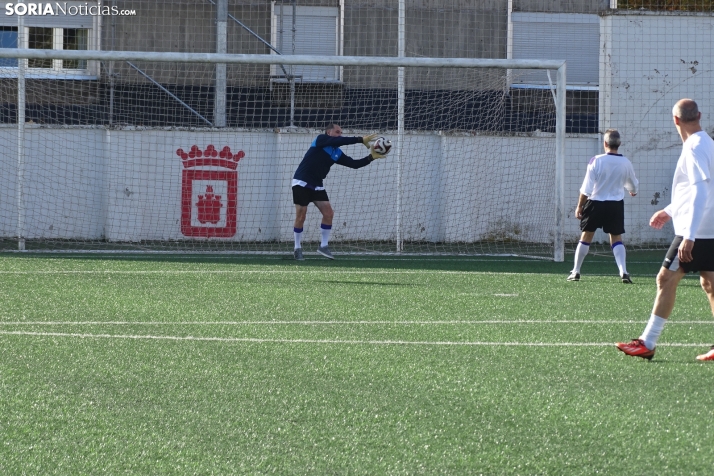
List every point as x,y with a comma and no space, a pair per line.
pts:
307,185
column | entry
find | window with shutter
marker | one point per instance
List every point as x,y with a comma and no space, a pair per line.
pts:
317,32
574,37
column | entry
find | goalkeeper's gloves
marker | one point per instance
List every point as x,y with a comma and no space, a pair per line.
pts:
374,154
367,139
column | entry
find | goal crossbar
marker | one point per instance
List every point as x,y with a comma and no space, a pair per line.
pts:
219,58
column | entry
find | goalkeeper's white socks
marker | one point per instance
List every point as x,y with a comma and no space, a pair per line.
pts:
325,232
652,331
297,233
580,253
618,249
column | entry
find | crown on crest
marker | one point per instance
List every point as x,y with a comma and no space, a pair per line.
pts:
210,157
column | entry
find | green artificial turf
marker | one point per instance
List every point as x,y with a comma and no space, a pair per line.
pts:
168,364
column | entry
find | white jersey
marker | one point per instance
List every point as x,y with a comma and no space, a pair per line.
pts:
607,177
695,165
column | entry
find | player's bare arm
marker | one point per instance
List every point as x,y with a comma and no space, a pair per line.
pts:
659,219
579,207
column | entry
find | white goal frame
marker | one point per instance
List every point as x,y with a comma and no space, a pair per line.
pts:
399,62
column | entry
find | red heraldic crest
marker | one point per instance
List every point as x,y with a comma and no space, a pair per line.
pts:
209,197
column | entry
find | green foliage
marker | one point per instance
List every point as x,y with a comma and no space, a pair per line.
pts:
668,5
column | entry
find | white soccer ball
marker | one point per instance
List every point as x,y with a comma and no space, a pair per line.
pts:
382,145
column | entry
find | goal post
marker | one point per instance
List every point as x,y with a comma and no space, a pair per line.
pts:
128,158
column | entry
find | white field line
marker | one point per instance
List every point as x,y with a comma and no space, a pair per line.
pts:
249,271
236,271
331,323
327,341
327,271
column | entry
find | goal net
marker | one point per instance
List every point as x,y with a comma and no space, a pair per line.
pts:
107,150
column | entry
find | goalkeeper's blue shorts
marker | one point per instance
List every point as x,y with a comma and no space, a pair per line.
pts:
303,196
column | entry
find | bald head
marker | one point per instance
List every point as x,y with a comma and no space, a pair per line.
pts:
686,111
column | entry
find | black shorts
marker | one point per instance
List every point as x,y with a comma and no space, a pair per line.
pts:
608,215
702,256
303,196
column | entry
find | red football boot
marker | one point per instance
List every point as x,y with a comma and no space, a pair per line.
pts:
636,348
708,356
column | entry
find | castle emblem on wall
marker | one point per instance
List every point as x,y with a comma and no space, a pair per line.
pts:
209,192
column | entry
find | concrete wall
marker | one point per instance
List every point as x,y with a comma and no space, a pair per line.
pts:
126,186
65,183
649,62
440,29
443,28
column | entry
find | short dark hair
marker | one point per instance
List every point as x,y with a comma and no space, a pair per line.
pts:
686,110
330,126
612,138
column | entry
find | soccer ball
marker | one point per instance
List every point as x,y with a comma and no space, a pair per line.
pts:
382,145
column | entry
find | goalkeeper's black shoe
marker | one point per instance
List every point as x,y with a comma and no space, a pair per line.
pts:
626,279
574,276
298,254
325,251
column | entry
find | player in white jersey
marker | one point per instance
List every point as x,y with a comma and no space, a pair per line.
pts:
692,213
601,203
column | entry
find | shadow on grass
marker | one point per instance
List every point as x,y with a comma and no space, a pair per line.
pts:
645,263
367,283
